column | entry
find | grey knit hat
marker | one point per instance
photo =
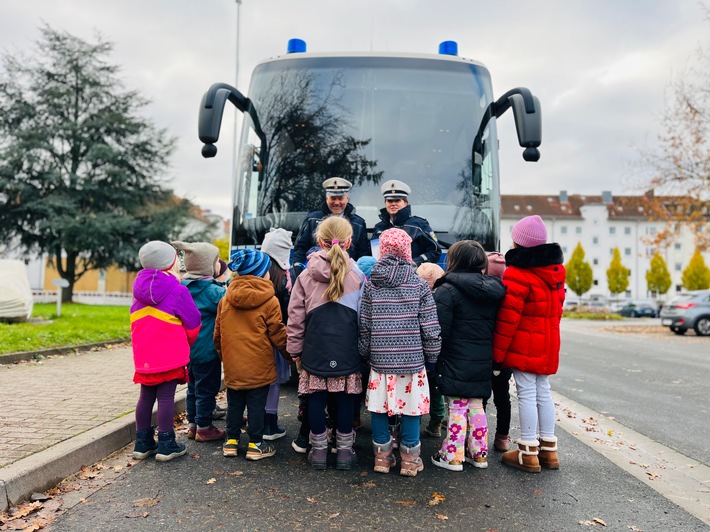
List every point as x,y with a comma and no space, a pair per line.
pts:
157,255
199,257
277,245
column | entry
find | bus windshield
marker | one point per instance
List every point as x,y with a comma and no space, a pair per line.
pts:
367,119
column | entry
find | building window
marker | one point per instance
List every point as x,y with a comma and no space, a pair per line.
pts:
563,229
627,230
595,262
578,230
677,246
678,266
564,250
612,230
627,252
596,282
595,240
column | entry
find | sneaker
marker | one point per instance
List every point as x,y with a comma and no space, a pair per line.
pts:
481,462
272,431
211,433
219,412
300,444
230,447
191,430
259,451
453,465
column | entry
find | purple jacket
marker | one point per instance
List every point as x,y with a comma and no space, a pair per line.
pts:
164,322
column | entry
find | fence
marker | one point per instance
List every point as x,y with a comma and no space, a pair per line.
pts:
87,298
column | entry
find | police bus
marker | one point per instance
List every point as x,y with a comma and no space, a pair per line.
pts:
426,119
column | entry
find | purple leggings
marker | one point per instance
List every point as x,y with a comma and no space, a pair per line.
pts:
272,400
165,394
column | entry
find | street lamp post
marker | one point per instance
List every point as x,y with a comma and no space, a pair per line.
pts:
236,114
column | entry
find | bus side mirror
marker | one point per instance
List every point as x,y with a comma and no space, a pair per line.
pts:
528,126
211,111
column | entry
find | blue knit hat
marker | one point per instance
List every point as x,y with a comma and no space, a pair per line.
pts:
365,264
249,262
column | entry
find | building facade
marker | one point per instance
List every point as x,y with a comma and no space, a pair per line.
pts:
602,223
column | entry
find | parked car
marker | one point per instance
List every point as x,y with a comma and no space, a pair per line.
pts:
638,310
688,311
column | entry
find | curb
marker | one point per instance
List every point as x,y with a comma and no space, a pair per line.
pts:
12,358
45,469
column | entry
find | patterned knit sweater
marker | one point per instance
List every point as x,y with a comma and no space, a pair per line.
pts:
399,329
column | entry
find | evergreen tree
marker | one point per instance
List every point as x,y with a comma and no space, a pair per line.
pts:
579,272
617,275
80,167
697,275
658,278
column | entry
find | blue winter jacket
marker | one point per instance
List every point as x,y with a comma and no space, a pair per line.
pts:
206,294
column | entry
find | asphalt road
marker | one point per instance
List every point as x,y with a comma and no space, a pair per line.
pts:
624,376
656,384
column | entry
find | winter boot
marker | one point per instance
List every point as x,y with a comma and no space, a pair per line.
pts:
145,444
318,455
411,462
548,453
384,458
272,431
501,443
433,428
168,448
525,457
346,456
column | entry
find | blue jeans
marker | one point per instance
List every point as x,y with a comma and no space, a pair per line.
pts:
205,380
381,431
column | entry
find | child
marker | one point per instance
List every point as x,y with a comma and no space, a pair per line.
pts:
277,245
399,336
527,339
205,369
247,330
323,334
365,264
467,303
164,324
431,272
500,381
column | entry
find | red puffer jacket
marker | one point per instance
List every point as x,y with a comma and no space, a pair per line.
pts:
527,333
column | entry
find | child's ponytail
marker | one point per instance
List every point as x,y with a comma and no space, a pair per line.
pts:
334,235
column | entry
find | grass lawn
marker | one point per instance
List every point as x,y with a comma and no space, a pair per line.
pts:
78,324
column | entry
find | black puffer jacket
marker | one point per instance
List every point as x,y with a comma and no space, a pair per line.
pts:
467,304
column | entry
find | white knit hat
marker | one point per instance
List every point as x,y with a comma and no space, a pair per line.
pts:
157,255
277,245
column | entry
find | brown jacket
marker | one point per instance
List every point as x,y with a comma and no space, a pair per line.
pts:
247,330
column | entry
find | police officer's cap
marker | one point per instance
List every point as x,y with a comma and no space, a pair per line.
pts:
337,186
394,189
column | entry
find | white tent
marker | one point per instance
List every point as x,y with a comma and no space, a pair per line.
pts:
15,291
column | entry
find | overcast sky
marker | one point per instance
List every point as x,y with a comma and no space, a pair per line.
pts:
600,69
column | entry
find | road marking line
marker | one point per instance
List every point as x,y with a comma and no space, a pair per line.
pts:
678,478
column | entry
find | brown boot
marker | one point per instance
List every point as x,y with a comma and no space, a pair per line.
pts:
525,457
501,443
384,459
411,461
548,453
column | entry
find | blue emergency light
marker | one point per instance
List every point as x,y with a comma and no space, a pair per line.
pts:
449,48
296,46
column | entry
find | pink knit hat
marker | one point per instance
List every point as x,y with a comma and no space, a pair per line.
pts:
530,232
396,242
496,264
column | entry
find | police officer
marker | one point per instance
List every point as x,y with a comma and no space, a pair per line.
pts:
398,213
337,195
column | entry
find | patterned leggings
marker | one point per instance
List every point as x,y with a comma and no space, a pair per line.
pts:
467,423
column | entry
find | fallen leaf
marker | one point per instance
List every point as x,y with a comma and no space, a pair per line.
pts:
211,481
442,517
599,521
369,484
652,475
609,432
133,516
311,499
333,516
219,473
436,498
25,509
195,456
148,502
236,473
406,504
537,492
117,468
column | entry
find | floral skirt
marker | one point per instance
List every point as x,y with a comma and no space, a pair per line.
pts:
308,383
392,394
